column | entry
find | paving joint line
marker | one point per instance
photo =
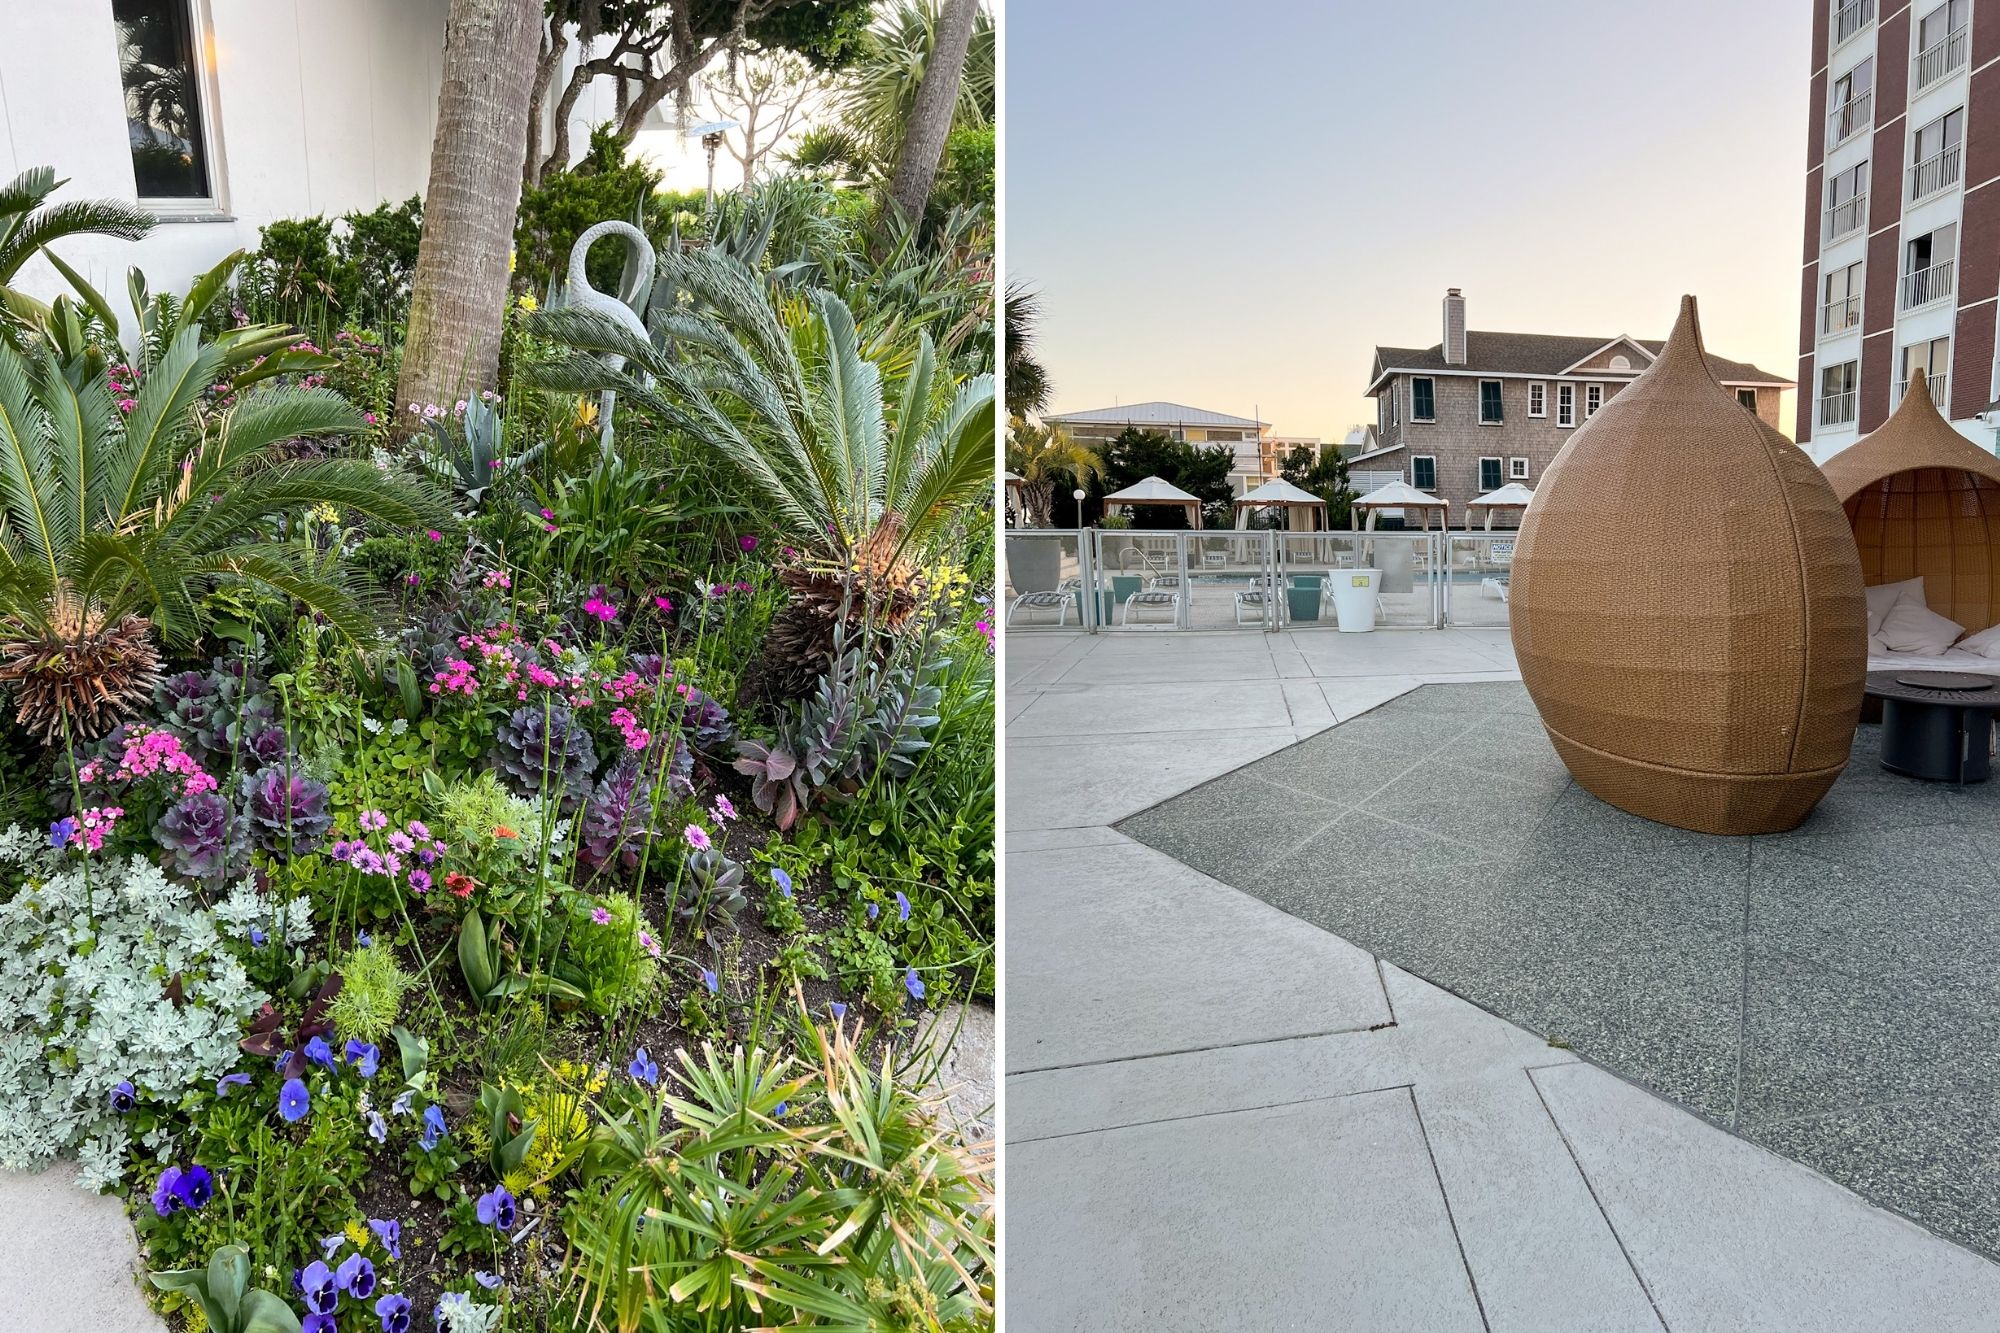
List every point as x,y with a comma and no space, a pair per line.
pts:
1451,1217
1203,1050
1584,1176
1207,1115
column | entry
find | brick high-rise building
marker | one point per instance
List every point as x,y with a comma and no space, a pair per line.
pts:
1902,227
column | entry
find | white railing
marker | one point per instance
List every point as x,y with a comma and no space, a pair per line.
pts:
1938,59
1851,18
1836,409
1849,119
1843,218
1928,284
1936,172
1838,316
1940,391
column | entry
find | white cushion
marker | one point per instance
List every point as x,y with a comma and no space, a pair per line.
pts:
1986,643
1912,627
1875,645
1883,597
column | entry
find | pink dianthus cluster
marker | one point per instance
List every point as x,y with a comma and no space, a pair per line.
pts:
636,736
149,752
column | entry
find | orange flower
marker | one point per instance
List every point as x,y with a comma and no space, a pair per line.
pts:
502,831
461,885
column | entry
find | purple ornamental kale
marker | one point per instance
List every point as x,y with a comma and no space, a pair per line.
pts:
286,811
269,747
707,722
201,838
617,821
533,742
186,701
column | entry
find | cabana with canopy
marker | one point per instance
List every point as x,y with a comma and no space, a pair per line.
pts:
1924,502
1511,496
1015,492
1297,503
1157,491
1399,495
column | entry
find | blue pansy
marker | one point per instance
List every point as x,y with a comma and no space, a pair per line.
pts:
708,980
365,1058
319,1052
390,1232
496,1209
124,1097
783,881
356,1276
378,1128
394,1312
165,1196
874,910
61,832
644,1068
294,1101
839,1011
913,983
902,906
228,1081
316,1285
194,1187
257,937
487,1280
330,1245
434,1127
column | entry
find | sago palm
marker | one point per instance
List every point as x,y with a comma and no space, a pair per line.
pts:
114,524
863,476
28,223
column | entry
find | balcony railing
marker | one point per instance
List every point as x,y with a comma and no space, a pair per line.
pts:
1839,316
1851,18
1836,409
1845,217
1940,391
1849,119
1936,172
1929,284
1937,60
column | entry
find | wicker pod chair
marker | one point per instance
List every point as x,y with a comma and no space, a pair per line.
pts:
1924,502
1687,607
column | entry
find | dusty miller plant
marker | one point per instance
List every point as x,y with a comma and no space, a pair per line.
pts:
84,968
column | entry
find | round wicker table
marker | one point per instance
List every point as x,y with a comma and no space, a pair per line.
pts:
1936,725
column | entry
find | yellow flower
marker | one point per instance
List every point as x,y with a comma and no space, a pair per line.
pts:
357,1233
528,302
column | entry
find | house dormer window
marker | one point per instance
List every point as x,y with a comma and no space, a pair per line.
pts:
1621,362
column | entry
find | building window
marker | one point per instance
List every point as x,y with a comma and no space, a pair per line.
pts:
1517,469
1840,299
1593,398
1846,201
1489,402
1565,404
1935,155
1748,397
1850,103
1424,472
164,116
1849,18
1489,474
1940,43
1930,266
1934,359
1836,393
1423,398
1538,399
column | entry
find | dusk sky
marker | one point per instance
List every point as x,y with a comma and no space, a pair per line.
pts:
1232,216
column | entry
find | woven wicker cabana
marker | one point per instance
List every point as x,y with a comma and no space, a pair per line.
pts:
1297,503
1157,491
1511,496
1399,495
1925,503
1696,652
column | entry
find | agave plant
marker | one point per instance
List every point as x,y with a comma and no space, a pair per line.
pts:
471,468
114,521
863,476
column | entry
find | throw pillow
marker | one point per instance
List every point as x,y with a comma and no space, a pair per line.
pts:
1986,643
1912,627
1883,598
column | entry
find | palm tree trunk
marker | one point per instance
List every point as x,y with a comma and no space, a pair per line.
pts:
458,296
930,119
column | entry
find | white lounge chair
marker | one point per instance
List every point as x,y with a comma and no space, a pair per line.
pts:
1059,602
1150,599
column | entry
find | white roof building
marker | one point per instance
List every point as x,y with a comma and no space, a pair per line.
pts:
1191,425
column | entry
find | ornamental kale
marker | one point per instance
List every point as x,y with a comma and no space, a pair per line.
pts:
534,743
618,821
202,839
286,812
187,701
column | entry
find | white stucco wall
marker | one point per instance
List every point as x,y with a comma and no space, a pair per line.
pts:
322,106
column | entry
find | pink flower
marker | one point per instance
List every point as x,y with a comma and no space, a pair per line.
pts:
697,837
636,736
600,916
602,609
664,604
723,810
435,535
548,513
368,417
747,543
127,404
651,945
496,579
371,820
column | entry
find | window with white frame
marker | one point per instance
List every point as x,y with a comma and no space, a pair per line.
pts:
1517,469
1933,357
1565,404
1748,397
1489,403
1837,385
1846,200
1593,398
1840,299
160,66
1423,398
1424,472
1489,474
1850,102
1935,155
1538,398
1930,266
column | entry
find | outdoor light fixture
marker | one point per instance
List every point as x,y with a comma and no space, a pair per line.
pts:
711,139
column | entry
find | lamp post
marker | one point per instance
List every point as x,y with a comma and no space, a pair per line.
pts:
1077,495
711,139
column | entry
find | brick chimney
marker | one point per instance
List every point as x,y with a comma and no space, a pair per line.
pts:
1454,328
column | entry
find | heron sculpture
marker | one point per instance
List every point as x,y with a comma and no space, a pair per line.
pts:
634,287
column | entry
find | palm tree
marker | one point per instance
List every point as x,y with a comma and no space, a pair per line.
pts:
1026,380
1042,456
115,523
935,111
864,475
881,87
27,227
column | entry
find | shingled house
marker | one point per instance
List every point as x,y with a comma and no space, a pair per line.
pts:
1471,413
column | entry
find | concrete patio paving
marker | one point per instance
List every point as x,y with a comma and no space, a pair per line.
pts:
1221,1116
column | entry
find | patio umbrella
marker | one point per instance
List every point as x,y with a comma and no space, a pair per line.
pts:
1297,503
1511,496
1157,491
1400,495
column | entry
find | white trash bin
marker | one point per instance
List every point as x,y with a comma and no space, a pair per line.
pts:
1355,593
